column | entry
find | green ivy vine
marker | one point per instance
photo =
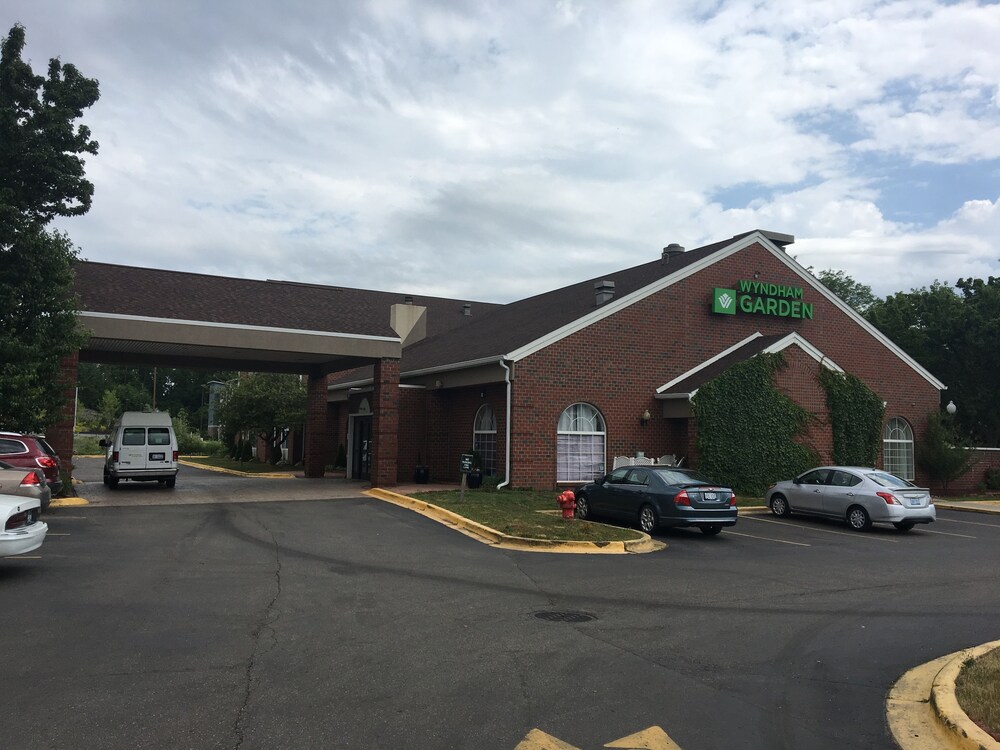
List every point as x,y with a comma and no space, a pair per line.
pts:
856,417
747,428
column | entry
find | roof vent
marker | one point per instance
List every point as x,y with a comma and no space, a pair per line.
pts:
604,291
466,309
671,250
408,300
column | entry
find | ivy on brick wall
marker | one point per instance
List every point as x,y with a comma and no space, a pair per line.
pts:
747,428
856,417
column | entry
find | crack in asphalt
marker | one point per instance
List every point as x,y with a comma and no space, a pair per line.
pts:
264,624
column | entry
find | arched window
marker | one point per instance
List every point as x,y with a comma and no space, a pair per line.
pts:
897,448
484,439
580,444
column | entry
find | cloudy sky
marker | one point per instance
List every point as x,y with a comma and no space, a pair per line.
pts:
493,150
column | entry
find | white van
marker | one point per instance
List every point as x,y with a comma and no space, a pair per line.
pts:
141,447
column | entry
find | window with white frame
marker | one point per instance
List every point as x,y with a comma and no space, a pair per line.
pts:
484,439
580,444
897,448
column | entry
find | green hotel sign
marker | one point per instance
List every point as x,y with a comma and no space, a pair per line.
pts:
763,299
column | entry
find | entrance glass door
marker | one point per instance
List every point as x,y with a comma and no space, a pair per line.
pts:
361,448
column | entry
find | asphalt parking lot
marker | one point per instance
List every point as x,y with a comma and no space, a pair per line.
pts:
352,623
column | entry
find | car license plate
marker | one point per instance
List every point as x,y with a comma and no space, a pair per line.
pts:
711,496
156,456
916,502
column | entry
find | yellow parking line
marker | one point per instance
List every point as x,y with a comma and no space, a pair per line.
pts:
767,538
852,534
946,533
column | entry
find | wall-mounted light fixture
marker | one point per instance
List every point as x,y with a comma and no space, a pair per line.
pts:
645,417
951,408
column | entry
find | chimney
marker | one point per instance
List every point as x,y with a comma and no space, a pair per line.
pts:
670,251
604,291
467,309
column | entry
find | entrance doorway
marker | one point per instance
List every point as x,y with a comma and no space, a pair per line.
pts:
361,441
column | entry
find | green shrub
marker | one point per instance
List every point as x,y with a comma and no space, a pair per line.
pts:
993,479
942,453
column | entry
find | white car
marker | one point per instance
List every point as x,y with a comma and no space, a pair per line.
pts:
22,531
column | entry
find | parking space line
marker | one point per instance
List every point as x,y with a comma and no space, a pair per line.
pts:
971,523
946,533
853,535
767,538
22,557
57,533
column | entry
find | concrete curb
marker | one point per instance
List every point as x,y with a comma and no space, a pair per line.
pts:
993,510
923,712
498,539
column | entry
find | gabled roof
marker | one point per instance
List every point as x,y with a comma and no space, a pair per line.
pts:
687,384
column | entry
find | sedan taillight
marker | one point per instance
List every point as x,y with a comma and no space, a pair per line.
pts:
889,498
681,498
732,500
31,478
20,520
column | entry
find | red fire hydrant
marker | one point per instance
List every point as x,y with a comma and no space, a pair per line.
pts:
567,501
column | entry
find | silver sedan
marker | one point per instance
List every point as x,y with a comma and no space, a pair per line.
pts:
860,496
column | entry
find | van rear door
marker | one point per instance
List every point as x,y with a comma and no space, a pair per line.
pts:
161,452
133,451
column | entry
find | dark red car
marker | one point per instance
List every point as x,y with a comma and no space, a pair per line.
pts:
32,452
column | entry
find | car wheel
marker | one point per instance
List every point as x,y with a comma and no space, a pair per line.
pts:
171,481
858,518
105,480
112,482
583,508
648,520
903,525
711,529
779,506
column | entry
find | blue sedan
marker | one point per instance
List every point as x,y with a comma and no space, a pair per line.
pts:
658,496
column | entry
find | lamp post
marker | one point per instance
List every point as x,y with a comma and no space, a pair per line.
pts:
951,408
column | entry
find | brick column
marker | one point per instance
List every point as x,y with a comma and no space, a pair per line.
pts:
60,435
385,423
316,436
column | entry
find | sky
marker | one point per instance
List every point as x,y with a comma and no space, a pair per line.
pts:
495,150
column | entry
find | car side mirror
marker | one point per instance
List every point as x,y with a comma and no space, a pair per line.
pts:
797,480
103,443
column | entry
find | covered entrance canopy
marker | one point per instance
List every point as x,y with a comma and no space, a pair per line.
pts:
175,319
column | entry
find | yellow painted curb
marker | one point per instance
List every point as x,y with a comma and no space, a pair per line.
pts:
68,502
990,510
234,472
498,539
923,713
969,735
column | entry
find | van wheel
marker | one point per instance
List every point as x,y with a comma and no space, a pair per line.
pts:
105,479
171,481
112,482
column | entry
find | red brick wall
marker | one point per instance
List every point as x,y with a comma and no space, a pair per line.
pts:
60,435
799,380
317,435
974,480
385,423
617,363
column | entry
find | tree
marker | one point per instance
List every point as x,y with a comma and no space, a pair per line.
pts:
857,295
952,331
266,405
942,453
41,177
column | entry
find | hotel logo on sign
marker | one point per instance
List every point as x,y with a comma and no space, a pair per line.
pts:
762,298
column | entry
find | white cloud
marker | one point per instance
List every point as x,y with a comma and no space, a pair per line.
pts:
495,150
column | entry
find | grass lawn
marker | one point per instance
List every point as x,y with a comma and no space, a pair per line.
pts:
517,513
978,691
250,467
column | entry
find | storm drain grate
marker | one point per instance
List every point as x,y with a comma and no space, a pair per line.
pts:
557,616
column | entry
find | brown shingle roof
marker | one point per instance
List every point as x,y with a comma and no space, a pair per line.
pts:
126,290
